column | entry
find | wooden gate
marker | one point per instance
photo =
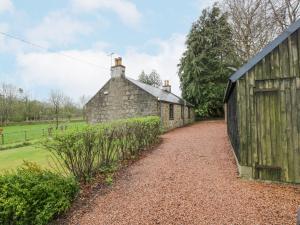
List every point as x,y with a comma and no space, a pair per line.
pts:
277,107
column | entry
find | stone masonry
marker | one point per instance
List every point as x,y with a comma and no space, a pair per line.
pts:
120,99
123,98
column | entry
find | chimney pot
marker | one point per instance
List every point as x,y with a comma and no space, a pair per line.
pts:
167,86
118,61
118,70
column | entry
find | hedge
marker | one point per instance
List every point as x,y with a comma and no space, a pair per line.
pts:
88,150
31,195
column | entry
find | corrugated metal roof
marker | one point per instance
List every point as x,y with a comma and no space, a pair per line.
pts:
159,93
263,53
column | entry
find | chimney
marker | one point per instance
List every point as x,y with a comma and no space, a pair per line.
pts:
118,70
166,86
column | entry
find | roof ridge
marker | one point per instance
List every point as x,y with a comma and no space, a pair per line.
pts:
159,89
144,83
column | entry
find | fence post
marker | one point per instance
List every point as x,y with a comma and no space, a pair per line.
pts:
25,132
2,139
43,132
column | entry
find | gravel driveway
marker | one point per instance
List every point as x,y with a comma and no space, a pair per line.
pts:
191,179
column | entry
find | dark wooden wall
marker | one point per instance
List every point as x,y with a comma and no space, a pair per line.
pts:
268,114
232,120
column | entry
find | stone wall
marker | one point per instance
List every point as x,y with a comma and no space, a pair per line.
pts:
178,121
119,99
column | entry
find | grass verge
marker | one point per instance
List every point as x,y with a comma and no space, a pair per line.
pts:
13,158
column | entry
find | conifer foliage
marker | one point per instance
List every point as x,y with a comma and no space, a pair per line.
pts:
207,63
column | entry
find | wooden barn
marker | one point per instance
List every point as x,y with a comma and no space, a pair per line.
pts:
262,103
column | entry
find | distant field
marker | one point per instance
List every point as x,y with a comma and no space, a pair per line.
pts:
12,158
21,133
15,134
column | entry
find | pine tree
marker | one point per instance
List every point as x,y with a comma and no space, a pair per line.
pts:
207,63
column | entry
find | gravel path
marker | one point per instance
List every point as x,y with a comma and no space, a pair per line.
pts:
191,179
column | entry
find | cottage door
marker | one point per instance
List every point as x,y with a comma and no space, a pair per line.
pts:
277,129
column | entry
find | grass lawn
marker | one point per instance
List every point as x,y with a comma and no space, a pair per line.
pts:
18,133
12,158
15,135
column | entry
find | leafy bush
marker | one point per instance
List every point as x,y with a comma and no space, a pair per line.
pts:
34,196
84,152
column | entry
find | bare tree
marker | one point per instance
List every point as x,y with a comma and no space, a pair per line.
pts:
8,94
82,102
152,79
69,107
284,12
56,100
256,22
26,103
251,25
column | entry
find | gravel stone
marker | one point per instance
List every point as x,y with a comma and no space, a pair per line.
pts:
191,178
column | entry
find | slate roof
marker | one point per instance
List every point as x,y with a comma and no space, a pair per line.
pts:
259,56
159,93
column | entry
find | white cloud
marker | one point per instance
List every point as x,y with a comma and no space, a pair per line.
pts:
8,45
6,6
125,9
52,71
3,28
202,4
58,28
164,62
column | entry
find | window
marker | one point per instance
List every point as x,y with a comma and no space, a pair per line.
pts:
171,112
182,112
189,112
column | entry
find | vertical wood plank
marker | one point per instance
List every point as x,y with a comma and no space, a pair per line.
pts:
289,130
283,63
297,163
253,121
248,119
269,120
277,123
267,64
259,135
284,59
298,108
277,152
283,133
295,55
243,133
294,70
273,122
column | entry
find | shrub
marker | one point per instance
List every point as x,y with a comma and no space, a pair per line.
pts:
84,152
76,150
34,196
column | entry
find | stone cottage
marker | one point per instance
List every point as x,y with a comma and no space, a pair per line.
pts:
122,97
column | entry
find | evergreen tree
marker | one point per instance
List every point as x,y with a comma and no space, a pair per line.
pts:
207,63
152,79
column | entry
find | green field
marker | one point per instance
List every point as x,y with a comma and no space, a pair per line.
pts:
12,158
21,133
15,135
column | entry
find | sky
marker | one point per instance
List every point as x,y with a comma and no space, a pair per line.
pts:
73,39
